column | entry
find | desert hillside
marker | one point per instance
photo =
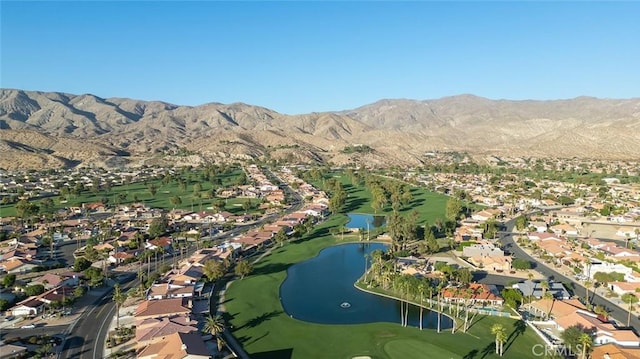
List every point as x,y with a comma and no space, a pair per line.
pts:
50,129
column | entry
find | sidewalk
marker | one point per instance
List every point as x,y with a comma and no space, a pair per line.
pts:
79,307
126,319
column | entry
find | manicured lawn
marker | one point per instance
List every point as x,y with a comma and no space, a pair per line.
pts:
429,205
266,331
139,192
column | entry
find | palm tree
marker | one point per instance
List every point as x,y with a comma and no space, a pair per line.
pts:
421,288
501,336
468,293
545,286
118,297
629,298
440,289
586,342
215,326
398,286
587,284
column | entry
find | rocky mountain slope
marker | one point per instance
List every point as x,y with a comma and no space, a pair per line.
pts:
50,129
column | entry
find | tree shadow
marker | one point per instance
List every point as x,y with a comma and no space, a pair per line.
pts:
270,268
470,355
260,319
353,204
519,328
416,203
274,354
475,322
245,343
488,350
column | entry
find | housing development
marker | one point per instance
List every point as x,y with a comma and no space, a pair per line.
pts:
186,262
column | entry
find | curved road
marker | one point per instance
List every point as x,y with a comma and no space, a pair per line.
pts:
617,313
86,337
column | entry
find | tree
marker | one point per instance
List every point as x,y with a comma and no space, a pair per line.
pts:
521,222
464,276
158,226
512,297
215,326
47,205
520,264
80,264
453,209
243,268
25,209
34,290
585,344
281,237
176,201
4,304
153,189
432,245
119,298
213,269
544,285
501,336
572,335
630,299
422,287
9,280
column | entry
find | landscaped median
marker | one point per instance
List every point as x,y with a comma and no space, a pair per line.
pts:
258,321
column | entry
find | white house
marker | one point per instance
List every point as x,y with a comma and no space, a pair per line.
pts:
595,266
28,307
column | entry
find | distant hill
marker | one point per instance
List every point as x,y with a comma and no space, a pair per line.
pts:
51,129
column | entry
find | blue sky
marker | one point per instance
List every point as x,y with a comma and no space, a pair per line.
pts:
299,57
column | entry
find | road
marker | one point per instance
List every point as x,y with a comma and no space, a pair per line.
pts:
617,313
86,338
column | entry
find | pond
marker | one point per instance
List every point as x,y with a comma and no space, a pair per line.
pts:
321,290
361,220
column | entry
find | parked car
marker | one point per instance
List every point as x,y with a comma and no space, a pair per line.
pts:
29,326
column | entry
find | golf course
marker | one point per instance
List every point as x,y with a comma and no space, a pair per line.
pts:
255,315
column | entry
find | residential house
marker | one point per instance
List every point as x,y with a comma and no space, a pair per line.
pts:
150,329
564,229
594,266
162,308
475,293
10,351
612,351
482,250
169,290
534,289
553,308
485,215
51,280
176,346
621,288
154,244
29,307
17,266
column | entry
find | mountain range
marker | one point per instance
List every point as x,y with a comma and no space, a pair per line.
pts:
53,129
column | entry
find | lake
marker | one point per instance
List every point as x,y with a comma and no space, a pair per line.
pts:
360,221
321,290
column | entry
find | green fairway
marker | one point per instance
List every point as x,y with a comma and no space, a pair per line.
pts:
190,197
411,348
429,205
266,331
